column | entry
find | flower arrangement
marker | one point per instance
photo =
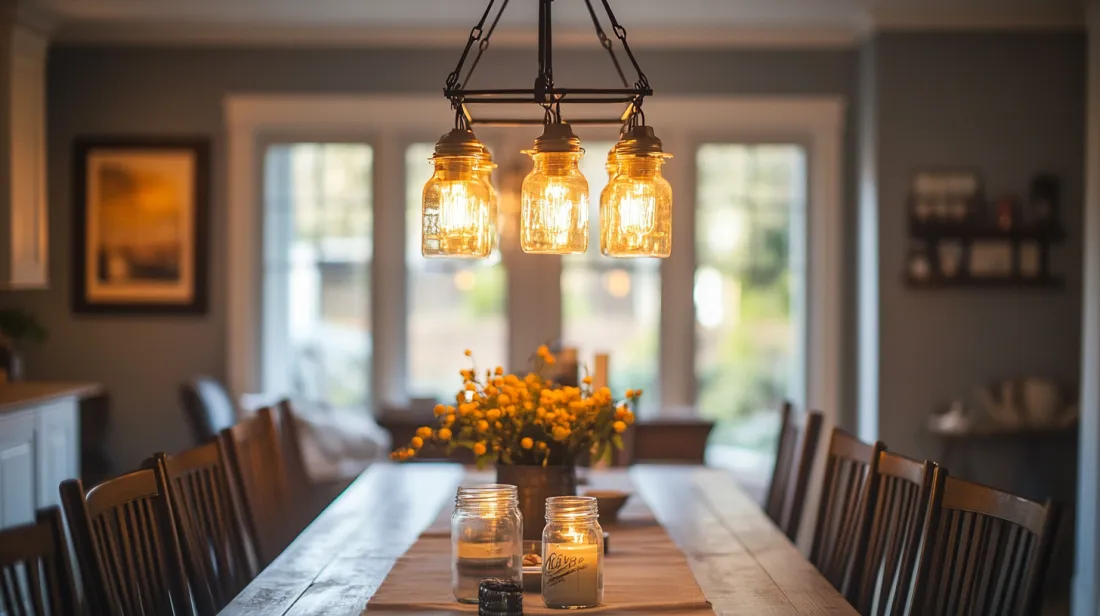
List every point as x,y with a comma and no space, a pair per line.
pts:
507,419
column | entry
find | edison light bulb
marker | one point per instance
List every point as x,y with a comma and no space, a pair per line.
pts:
637,219
457,200
554,197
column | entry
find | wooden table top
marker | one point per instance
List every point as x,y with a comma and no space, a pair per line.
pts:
742,562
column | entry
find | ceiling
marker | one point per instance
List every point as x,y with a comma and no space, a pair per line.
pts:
438,22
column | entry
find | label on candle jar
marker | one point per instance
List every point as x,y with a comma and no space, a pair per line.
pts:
570,575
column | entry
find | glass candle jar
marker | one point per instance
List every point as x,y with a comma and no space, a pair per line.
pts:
486,538
572,553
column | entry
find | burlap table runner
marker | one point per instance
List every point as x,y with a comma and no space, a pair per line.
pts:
644,572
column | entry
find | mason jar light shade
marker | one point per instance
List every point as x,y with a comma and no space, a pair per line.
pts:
637,218
554,197
457,201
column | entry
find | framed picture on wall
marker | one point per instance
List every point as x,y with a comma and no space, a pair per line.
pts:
140,225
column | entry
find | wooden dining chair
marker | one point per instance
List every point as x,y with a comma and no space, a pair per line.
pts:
257,465
207,509
35,576
847,495
904,490
987,552
794,461
126,546
208,407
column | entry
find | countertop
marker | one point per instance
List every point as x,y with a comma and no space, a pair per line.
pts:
16,396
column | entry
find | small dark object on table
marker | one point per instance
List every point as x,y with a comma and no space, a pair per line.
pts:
499,597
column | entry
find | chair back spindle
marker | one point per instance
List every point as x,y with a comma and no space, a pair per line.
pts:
846,498
126,544
35,576
794,459
903,493
987,552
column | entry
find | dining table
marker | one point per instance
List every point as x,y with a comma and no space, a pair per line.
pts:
689,541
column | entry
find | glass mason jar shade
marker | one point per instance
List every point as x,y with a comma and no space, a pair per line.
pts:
458,200
636,221
486,538
554,197
572,553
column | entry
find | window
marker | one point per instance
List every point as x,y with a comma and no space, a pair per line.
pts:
750,201
453,304
318,229
343,309
612,305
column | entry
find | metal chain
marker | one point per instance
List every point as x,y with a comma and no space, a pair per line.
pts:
605,42
475,35
484,44
620,32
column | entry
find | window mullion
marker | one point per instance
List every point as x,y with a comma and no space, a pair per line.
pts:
677,347
389,298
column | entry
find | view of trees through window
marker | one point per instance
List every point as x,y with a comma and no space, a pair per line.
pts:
320,203
749,198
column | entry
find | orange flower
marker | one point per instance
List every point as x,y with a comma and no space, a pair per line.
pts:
479,449
424,432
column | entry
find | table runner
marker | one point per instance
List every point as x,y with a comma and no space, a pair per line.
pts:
644,572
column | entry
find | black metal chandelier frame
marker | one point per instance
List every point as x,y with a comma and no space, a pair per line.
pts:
545,92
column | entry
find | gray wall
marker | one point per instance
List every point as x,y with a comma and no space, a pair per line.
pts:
118,91
1009,105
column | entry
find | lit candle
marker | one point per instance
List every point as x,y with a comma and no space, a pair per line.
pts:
599,376
571,572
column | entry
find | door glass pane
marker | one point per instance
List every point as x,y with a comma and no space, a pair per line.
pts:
612,305
318,247
454,304
748,282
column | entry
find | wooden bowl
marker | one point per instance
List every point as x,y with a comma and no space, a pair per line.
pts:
609,502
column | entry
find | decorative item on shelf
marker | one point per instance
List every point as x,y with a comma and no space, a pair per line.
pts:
920,269
572,553
944,196
1007,212
1044,201
18,329
140,225
636,219
486,538
1030,260
950,259
1009,406
990,259
534,430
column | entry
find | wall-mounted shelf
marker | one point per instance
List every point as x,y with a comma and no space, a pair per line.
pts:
964,282
969,231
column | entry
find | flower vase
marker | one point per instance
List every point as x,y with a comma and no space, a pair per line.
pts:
535,483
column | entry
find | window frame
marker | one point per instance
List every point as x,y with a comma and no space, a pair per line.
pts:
533,281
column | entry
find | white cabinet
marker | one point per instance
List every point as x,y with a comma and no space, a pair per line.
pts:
23,210
17,485
57,444
39,448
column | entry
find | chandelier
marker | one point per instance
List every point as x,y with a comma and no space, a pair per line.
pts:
459,205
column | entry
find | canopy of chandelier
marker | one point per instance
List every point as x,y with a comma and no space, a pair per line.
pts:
459,206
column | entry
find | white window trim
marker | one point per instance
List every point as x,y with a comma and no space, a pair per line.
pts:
815,122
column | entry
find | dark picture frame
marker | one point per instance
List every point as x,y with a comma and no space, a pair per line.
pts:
141,208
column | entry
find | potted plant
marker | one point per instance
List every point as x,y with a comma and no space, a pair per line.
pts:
532,429
18,328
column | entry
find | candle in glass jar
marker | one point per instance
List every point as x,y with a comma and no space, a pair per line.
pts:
570,574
